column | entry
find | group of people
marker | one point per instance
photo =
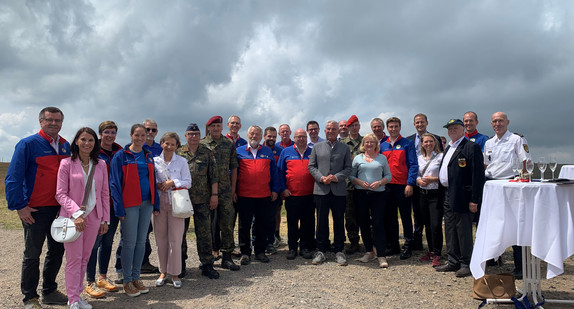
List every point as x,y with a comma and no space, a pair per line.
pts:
363,181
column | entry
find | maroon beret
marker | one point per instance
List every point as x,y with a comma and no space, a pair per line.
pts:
214,119
351,120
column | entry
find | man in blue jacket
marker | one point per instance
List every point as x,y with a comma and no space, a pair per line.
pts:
31,190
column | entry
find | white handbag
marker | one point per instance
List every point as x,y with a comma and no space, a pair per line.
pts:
181,203
64,230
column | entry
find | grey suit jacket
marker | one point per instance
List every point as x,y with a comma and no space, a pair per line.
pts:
325,161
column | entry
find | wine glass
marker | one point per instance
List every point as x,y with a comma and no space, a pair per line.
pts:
529,168
542,167
514,166
519,167
552,165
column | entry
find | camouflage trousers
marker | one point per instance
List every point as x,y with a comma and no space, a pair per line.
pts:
202,224
352,217
223,222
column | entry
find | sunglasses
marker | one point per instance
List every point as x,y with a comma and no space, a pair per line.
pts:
151,130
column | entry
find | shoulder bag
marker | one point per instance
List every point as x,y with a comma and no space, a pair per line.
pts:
181,206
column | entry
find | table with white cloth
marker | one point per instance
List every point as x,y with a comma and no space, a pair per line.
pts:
538,216
567,171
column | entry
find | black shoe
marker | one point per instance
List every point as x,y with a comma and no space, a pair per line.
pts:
353,247
517,273
262,257
447,268
406,254
209,272
55,298
292,254
462,272
492,262
183,270
227,262
306,254
147,268
245,259
392,251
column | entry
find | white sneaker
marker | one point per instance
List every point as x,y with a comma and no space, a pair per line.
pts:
84,304
383,262
341,259
369,256
319,258
75,305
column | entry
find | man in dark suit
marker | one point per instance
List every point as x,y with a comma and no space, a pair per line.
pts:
330,164
461,177
420,122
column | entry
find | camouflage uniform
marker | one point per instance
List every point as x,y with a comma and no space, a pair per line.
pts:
203,175
351,214
225,160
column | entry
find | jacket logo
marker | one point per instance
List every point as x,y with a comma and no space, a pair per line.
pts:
462,162
398,146
473,139
64,150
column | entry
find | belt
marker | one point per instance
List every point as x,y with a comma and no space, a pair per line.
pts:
429,191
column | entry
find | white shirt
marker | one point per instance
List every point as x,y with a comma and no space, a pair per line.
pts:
91,203
432,170
498,155
443,174
319,139
418,144
176,170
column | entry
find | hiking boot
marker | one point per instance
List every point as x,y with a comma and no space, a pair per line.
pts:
94,291
262,257
406,254
209,272
55,298
245,259
306,254
131,290
292,254
138,284
227,262
106,284
319,258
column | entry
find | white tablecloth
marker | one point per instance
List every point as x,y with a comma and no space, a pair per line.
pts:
567,171
539,215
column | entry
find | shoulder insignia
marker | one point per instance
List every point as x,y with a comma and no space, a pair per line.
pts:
519,134
525,147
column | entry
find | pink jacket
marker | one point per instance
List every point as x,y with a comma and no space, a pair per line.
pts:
70,188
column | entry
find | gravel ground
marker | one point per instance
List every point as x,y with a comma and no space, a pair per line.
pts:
290,284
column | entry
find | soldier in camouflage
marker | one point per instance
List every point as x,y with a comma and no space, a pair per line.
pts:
353,140
204,196
226,166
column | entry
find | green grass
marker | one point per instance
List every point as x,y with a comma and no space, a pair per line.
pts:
8,219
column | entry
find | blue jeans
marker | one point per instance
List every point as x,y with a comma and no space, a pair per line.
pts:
104,244
134,230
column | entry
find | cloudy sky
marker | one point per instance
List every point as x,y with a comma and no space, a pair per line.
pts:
274,62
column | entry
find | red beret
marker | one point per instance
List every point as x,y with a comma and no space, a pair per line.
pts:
214,119
351,120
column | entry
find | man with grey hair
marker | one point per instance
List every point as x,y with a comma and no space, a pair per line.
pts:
258,185
330,165
378,127
151,132
234,125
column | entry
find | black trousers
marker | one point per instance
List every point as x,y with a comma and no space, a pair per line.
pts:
372,212
397,200
261,209
34,236
335,204
300,222
431,211
458,232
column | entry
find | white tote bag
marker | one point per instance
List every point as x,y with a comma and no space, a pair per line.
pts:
181,203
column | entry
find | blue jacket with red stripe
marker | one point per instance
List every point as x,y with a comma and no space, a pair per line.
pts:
402,159
276,150
33,172
257,177
125,181
294,171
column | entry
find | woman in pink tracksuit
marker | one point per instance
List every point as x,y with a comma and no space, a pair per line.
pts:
91,218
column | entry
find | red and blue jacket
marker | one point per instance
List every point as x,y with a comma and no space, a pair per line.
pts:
478,138
108,159
402,159
33,172
125,181
294,171
276,150
257,177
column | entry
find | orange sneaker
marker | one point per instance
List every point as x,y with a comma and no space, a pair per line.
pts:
107,284
94,291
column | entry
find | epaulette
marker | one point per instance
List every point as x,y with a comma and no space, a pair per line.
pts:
519,134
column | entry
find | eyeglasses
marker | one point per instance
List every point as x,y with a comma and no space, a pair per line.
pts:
151,130
110,132
194,134
313,129
52,120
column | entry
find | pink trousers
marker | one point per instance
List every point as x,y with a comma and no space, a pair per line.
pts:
168,231
77,255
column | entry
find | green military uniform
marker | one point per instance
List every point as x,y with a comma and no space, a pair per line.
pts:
225,160
351,213
203,175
